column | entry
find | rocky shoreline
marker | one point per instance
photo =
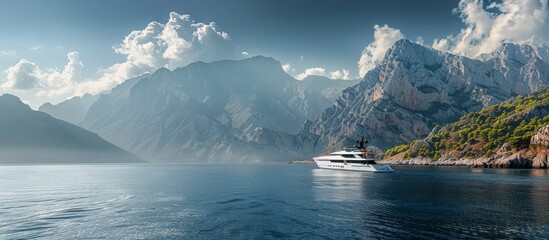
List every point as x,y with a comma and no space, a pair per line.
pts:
515,160
536,156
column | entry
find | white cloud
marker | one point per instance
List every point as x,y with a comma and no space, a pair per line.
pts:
10,52
311,71
37,47
288,68
26,75
384,38
340,74
317,71
518,21
21,76
60,83
420,41
177,43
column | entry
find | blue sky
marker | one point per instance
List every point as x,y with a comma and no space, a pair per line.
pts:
304,34
331,34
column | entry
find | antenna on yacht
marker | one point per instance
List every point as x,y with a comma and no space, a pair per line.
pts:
362,142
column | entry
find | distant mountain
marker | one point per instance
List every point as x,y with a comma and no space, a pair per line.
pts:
228,110
417,88
29,136
72,110
314,93
514,133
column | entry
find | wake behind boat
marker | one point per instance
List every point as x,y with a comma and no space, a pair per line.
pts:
356,158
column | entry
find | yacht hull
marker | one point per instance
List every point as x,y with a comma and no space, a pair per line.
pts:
359,167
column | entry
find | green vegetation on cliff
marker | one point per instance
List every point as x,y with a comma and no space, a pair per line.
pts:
482,133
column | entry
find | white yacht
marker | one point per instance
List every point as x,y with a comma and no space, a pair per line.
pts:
352,159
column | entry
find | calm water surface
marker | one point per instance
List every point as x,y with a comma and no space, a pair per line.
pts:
269,201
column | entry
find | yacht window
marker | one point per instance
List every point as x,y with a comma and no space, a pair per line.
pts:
348,156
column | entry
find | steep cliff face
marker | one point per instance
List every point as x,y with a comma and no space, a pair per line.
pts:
418,88
522,68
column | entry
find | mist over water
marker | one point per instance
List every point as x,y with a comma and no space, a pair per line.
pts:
144,201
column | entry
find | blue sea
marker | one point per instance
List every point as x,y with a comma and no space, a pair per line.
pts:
266,201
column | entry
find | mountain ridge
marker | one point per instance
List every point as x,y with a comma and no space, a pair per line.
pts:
224,110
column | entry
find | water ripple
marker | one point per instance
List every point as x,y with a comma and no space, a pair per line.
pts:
264,201
231,201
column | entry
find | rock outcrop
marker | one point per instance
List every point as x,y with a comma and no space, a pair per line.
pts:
539,144
541,138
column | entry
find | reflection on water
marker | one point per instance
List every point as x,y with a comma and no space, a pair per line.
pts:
333,185
539,172
512,172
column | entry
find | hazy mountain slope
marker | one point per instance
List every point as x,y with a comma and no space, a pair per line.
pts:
313,94
221,111
107,104
29,136
72,110
417,88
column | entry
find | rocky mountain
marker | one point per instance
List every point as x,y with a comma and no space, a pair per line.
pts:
511,134
222,111
29,136
417,88
541,50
